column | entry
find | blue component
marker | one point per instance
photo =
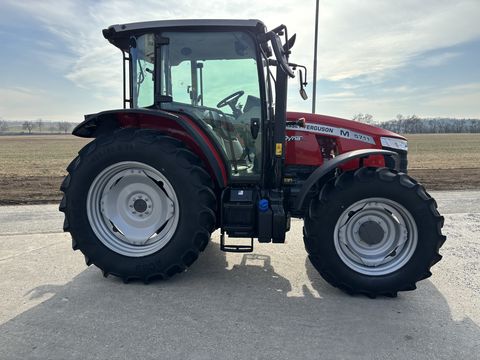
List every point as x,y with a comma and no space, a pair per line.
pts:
263,205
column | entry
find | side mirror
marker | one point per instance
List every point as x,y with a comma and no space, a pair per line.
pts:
303,93
302,79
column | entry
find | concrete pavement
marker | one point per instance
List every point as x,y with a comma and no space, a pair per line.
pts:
265,305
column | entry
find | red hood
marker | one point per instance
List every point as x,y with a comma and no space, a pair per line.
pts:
348,124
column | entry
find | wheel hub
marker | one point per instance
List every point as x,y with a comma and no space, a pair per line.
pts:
375,236
371,233
140,204
138,208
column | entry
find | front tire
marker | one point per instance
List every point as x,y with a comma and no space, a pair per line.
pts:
138,205
373,232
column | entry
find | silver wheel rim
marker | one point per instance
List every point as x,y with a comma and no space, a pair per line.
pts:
375,236
132,208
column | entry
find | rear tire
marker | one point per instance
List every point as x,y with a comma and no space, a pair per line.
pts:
344,238
111,224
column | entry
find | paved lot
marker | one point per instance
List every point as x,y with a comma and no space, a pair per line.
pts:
267,305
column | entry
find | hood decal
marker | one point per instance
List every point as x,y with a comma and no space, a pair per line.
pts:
333,131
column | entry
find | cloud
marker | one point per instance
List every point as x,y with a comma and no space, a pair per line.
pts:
375,37
403,89
464,97
17,97
437,60
426,101
355,38
462,88
338,96
365,41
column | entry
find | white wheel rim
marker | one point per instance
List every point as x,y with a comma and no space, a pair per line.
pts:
132,208
375,236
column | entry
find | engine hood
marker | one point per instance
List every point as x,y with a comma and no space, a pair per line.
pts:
343,123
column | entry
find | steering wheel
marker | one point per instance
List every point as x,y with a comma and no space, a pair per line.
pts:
231,99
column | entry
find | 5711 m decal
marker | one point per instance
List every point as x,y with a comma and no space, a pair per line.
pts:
335,131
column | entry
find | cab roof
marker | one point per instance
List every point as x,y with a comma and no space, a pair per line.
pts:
119,34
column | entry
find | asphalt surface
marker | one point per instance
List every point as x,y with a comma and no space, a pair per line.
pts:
267,305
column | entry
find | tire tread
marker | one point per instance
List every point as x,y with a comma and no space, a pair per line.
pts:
365,174
186,159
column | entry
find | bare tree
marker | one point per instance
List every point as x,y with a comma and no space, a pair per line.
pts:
414,124
364,118
52,128
40,124
3,126
28,125
63,126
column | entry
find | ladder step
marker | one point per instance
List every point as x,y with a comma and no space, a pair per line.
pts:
234,247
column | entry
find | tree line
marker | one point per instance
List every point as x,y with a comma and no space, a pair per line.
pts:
413,124
37,126
410,124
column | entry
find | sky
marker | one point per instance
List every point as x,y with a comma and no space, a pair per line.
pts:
379,57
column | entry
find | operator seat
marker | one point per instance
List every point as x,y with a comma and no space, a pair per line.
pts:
251,110
213,121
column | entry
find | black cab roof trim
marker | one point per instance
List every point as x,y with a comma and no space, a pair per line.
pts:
187,22
121,30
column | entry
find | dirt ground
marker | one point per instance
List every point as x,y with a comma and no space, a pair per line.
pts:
448,179
32,167
30,190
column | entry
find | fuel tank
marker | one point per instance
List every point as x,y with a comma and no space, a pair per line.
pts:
324,137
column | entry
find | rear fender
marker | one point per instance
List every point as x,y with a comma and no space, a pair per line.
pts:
336,163
182,127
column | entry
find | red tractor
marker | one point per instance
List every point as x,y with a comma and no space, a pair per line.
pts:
205,142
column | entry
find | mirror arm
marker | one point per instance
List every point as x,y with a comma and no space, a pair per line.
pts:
294,67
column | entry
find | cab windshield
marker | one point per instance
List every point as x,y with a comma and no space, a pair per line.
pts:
212,76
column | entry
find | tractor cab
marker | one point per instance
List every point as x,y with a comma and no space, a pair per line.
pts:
215,71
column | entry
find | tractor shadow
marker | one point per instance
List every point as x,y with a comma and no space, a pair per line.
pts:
233,307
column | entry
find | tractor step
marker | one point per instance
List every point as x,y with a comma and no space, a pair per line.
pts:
237,248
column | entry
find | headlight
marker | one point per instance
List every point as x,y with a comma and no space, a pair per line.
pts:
394,143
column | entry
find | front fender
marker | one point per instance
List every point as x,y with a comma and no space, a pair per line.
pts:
335,163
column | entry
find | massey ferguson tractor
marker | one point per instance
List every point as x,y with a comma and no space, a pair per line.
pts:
204,141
